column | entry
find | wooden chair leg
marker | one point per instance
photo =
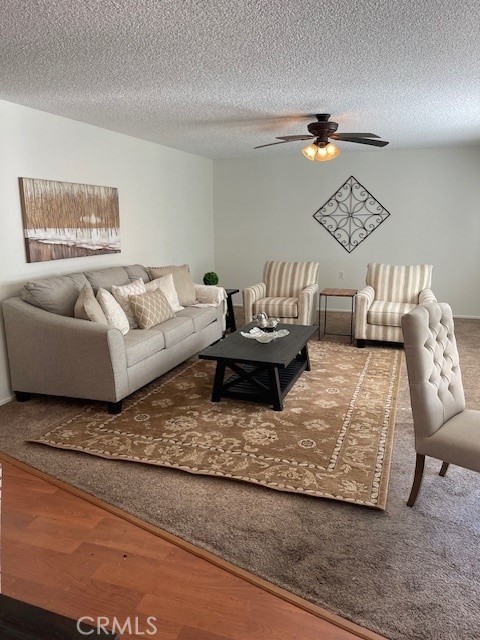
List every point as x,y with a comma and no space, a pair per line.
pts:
417,480
444,468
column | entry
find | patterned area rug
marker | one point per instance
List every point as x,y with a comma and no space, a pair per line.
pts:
333,439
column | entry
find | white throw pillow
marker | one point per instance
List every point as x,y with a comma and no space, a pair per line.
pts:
114,313
166,285
121,293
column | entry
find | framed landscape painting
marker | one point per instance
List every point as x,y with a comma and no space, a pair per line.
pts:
68,220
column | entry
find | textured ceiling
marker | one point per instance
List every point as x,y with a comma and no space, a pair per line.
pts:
218,77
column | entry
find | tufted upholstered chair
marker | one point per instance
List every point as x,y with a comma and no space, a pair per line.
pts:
391,291
288,292
444,429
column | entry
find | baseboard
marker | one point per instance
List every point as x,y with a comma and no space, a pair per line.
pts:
6,400
455,317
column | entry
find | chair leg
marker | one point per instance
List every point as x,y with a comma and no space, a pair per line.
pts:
417,480
360,343
444,468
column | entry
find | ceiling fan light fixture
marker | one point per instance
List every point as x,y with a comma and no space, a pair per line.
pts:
321,149
310,152
327,152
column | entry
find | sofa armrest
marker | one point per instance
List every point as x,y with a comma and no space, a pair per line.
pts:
426,295
209,294
63,356
363,302
306,304
250,295
212,296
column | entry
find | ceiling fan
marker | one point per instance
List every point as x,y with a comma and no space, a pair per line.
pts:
321,148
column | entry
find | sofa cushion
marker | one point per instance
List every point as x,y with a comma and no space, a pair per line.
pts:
57,294
151,308
176,330
141,344
181,278
136,271
105,278
121,294
116,317
201,316
87,306
167,287
388,313
277,307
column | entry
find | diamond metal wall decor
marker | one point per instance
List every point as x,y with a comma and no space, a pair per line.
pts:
351,214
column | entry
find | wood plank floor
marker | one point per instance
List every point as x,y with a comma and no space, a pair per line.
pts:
63,553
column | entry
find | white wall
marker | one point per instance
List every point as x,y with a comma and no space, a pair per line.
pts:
264,206
165,197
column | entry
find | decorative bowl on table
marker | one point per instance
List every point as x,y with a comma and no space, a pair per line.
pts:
271,325
265,338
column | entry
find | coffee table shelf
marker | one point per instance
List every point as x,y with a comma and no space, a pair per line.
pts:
257,386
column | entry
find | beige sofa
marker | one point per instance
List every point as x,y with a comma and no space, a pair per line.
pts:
52,352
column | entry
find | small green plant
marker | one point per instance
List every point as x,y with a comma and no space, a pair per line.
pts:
210,278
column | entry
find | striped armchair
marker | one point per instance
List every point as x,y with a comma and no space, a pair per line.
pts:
288,292
391,291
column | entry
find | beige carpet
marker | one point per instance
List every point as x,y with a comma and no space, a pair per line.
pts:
333,439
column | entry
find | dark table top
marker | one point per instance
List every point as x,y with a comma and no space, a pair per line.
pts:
279,352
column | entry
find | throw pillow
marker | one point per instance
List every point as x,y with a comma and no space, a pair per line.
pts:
151,308
167,287
57,294
116,317
88,308
182,280
121,293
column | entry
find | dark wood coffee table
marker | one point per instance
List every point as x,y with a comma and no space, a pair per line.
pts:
261,372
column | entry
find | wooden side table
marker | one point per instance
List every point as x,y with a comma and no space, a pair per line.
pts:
230,319
331,293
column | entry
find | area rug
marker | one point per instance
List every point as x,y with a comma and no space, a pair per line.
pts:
406,573
333,439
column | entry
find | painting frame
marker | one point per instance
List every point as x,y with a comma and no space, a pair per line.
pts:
68,220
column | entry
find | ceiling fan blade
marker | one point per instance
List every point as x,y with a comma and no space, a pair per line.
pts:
271,144
375,143
341,136
289,138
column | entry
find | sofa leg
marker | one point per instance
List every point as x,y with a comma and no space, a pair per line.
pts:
360,343
115,407
22,396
